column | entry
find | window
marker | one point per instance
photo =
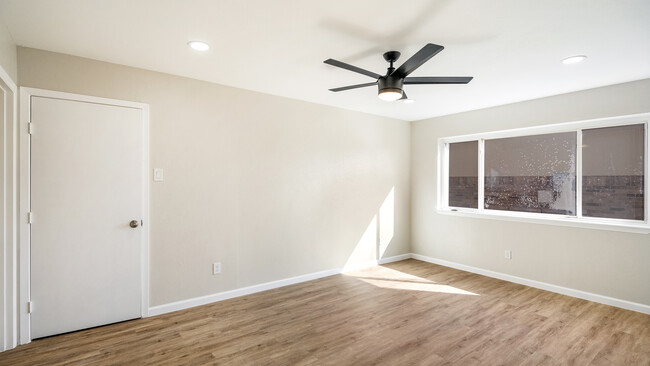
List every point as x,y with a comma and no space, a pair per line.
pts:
463,174
531,173
591,173
612,172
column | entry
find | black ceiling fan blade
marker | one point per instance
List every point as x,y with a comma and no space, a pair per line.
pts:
438,80
343,65
352,87
417,60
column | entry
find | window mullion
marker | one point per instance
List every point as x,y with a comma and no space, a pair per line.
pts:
579,173
646,173
481,174
445,177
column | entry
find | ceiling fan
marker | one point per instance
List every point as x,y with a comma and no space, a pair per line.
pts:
391,85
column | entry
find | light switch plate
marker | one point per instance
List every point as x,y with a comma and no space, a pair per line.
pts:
158,175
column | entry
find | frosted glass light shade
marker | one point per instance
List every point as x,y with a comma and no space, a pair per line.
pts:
390,95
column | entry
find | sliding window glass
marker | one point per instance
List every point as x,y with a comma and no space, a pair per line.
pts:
531,173
463,174
612,172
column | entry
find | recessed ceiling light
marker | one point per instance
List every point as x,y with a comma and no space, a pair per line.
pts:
574,59
198,45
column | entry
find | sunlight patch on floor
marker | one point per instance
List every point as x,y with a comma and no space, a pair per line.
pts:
389,278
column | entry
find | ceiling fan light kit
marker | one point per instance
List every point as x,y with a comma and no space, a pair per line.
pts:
391,85
390,95
390,89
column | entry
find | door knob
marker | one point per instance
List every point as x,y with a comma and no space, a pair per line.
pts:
134,223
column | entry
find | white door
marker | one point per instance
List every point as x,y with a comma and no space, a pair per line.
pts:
86,188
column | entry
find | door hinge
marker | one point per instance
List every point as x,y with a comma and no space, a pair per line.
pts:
30,307
30,128
30,217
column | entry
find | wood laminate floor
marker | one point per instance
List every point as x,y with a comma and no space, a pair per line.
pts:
404,313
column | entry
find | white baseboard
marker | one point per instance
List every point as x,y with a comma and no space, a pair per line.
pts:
396,258
641,308
197,301
369,264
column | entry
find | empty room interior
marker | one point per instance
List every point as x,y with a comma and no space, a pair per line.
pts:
285,182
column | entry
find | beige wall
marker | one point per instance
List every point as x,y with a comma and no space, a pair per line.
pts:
270,187
8,53
274,188
603,262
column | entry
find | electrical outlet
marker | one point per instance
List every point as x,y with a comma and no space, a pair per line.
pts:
216,268
158,175
507,254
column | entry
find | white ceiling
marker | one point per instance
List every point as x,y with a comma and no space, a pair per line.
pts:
512,48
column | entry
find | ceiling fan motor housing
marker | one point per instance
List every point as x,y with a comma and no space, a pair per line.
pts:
387,84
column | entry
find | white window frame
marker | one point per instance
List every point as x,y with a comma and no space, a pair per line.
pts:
578,220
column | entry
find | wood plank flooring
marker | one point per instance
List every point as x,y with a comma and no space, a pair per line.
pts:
403,313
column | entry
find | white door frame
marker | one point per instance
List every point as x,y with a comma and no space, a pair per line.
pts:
8,255
25,248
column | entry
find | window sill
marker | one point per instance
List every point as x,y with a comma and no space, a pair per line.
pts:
549,219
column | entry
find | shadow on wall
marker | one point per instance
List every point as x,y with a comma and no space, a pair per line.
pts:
377,236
